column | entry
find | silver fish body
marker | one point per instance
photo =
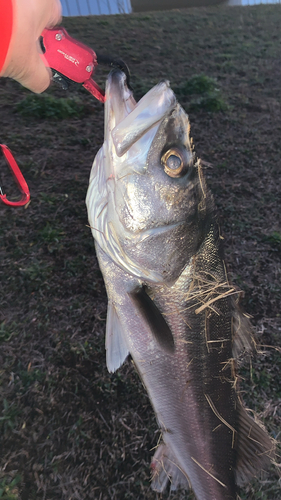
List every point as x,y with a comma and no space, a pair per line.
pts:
170,304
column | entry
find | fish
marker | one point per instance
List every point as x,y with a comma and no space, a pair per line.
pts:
171,306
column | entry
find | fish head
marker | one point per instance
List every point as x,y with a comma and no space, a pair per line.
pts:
150,183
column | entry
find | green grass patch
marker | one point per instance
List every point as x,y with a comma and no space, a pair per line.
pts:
274,239
35,276
7,331
197,84
50,234
8,416
205,94
30,377
212,103
8,488
46,106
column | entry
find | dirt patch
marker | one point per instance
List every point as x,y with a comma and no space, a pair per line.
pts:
70,430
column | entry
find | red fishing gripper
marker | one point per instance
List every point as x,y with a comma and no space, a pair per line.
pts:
20,180
70,60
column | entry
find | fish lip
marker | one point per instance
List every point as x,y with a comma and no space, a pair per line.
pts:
116,80
116,74
127,121
118,95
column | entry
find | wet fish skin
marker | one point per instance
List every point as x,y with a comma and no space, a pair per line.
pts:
177,385
159,247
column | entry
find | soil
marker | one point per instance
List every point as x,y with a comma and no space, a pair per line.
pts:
69,430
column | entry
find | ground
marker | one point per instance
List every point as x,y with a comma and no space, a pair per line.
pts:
70,430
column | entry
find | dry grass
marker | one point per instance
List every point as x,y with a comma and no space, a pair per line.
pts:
69,430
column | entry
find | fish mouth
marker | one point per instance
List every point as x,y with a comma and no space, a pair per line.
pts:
127,120
119,96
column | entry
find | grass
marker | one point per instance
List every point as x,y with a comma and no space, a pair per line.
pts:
197,84
9,488
7,331
211,103
72,430
8,416
200,92
49,107
274,239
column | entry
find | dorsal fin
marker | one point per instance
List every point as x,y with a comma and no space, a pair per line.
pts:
153,317
255,448
242,333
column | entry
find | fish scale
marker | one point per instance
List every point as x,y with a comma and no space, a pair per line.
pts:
172,399
201,368
170,304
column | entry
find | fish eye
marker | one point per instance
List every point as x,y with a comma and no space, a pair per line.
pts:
173,163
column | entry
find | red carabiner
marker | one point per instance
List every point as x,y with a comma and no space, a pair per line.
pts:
20,180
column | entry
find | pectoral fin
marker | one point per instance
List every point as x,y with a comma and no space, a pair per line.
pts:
164,468
116,349
153,317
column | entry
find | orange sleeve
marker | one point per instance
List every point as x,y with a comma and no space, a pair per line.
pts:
6,28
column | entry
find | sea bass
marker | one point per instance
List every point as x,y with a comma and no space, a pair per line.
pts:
170,304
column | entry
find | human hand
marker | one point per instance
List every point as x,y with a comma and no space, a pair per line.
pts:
23,62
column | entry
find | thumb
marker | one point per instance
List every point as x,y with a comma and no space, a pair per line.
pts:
38,75
30,71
